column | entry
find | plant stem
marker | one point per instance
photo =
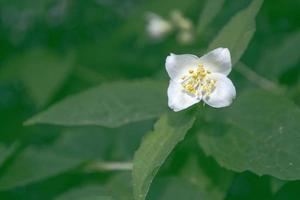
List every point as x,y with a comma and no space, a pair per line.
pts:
109,166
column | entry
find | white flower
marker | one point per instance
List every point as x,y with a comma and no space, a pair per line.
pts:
157,27
194,79
180,21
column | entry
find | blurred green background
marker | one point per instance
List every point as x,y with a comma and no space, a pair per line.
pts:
51,49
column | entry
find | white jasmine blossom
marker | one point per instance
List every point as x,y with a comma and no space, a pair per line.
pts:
157,27
180,21
194,79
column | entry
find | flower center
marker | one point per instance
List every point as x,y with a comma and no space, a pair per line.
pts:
197,83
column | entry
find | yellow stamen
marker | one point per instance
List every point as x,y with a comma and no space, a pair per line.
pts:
197,81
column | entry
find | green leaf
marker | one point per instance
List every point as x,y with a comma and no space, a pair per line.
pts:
276,184
35,164
26,5
6,151
289,191
87,192
283,56
73,148
259,132
212,180
42,72
155,148
119,186
128,138
170,188
247,185
237,33
86,143
109,105
209,12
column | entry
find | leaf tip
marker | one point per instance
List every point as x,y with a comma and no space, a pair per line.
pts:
29,122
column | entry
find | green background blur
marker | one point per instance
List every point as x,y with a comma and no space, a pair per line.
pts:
50,49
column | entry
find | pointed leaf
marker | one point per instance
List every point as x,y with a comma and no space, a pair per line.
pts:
155,148
209,12
237,33
109,105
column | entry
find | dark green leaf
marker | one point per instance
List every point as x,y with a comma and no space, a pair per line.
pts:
86,143
212,180
73,148
171,188
42,72
289,191
6,151
283,56
88,192
128,138
35,164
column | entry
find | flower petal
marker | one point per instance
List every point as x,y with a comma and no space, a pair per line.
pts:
223,94
178,65
217,61
178,98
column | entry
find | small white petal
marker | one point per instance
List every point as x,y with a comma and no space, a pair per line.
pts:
178,65
178,98
223,94
217,61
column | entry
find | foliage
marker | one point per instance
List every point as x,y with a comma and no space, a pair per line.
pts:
83,102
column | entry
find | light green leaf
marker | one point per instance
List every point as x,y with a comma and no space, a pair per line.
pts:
209,12
283,56
155,148
109,105
87,192
259,132
41,71
237,33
